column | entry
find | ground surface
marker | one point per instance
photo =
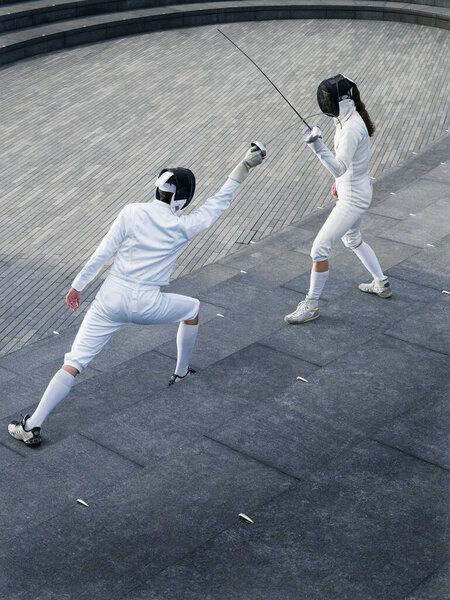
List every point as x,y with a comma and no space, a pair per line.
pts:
346,475
86,131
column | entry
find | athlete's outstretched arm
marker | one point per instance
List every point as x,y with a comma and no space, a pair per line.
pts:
210,211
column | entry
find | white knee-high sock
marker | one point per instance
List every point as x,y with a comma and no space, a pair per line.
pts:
57,390
369,259
186,336
316,284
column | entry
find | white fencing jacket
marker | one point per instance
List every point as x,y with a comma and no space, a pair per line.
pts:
350,166
149,238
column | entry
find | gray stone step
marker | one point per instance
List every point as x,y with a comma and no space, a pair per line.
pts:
16,44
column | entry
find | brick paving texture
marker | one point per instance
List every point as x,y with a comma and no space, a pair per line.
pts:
85,131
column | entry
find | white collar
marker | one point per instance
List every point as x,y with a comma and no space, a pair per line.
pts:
346,109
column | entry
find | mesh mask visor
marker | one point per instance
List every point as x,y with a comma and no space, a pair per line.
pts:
331,91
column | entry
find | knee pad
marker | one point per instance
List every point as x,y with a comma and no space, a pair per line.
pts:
319,251
352,240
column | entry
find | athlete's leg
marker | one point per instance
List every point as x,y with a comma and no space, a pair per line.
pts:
154,307
341,218
186,336
95,331
380,284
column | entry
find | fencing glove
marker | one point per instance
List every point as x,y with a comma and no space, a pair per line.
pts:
254,157
313,137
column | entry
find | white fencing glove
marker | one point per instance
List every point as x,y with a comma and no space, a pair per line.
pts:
313,137
253,157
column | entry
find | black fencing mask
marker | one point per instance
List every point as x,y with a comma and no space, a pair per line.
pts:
331,91
182,189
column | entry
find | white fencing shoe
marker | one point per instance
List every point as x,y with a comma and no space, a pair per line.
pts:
307,310
380,288
18,431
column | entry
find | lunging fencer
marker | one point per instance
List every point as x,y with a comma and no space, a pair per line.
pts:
148,238
339,97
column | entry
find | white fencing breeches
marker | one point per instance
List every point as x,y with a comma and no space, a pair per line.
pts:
343,223
118,303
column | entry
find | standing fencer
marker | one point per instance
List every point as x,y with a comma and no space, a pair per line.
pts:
339,97
148,238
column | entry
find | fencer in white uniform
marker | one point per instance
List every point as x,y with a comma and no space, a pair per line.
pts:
339,97
148,238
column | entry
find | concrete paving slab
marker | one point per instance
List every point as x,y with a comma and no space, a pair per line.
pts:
434,585
229,387
370,528
18,395
422,227
325,339
165,513
429,327
408,299
9,458
144,436
232,293
438,174
36,355
423,432
375,224
428,267
415,198
295,443
277,270
77,468
5,375
367,388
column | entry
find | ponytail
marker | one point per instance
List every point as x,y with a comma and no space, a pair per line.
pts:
360,107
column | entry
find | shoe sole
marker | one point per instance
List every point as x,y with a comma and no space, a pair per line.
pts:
189,373
388,295
32,442
301,322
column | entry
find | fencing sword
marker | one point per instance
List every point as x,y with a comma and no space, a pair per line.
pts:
269,80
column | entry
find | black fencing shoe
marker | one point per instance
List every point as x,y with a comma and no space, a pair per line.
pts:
176,377
18,431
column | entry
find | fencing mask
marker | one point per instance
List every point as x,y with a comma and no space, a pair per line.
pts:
179,191
331,91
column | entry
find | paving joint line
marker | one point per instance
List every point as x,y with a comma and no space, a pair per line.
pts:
111,450
426,578
428,462
309,362
395,337
249,456
203,544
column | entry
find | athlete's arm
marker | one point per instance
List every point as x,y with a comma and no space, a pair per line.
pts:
202,218
337,165
105,250
206,215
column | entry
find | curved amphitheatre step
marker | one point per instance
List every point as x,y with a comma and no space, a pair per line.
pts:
58,30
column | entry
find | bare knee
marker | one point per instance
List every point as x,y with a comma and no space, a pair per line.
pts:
320,266
193,321
70,370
